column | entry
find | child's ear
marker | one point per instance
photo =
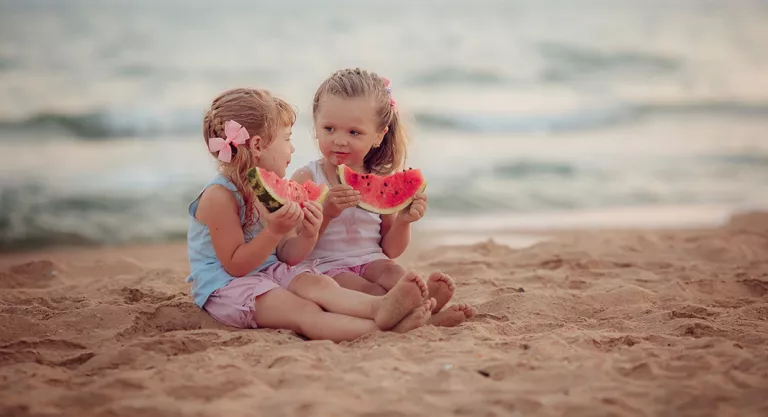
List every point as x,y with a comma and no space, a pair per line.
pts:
256,145
380,137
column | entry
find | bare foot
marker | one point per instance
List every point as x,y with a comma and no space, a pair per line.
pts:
416,318
453,315
406,295
440,288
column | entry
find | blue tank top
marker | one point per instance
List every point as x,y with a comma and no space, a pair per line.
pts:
206,272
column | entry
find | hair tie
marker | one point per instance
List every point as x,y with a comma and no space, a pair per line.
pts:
235,135
388,87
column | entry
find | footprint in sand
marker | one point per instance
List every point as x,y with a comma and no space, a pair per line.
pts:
418,317
441,288
453,315
400,300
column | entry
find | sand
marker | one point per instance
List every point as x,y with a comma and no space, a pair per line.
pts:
667,323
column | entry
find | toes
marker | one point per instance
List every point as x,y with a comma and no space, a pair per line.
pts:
422,286
464,308
432,304
439,276
426,306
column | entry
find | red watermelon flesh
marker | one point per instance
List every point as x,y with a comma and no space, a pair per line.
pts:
274,191
384,194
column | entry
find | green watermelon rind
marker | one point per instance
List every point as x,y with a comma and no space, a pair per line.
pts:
267,196
381,210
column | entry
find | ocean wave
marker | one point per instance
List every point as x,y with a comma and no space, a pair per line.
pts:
456,75
527,169
567,62
36,215
587,119
107,124
150,124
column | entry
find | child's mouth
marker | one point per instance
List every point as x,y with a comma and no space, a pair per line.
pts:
340,156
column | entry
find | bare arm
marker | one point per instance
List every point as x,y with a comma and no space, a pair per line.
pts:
296,245
396,228
395,235
218,210
299,243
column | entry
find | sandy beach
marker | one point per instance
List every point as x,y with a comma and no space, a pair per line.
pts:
666,323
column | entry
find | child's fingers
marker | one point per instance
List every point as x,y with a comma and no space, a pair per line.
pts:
345,193
298,217
313,209
341,188
313,222
346,200
294,211
417,210
315,204
282,212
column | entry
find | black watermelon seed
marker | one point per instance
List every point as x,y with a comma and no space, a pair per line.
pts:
385,184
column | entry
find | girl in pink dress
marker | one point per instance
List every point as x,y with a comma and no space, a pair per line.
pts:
357,123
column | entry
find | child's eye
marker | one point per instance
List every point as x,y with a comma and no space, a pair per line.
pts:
328,129
354,132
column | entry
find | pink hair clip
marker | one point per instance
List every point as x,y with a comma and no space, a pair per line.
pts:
235,135
388,85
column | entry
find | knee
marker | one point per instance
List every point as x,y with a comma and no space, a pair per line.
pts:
374,289
305,311
393,270
312,283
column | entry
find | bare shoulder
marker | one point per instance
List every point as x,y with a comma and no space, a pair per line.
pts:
215,200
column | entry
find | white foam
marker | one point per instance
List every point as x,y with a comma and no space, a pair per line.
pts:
650,217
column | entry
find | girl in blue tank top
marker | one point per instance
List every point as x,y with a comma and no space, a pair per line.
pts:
357,123
235,244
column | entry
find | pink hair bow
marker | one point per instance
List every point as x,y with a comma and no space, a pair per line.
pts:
235,134
388,85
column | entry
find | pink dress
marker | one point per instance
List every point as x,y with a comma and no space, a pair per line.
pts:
350,242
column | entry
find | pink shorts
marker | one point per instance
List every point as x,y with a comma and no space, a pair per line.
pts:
357,270
233,303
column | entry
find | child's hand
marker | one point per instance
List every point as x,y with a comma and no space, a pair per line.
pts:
415,210
313,218
340,197
285,219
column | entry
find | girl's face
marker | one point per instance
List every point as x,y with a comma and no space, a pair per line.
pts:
346,129
277,155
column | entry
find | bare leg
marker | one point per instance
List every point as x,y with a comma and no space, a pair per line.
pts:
416,318
384,272
281,309
386,310
355,282
387,273
452,316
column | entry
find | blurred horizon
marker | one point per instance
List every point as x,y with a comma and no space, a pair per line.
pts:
519,108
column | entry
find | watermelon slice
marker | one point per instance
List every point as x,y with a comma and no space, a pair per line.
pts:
274,191
384,194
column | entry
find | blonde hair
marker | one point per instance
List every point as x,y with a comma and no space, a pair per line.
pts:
391,154
261,114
